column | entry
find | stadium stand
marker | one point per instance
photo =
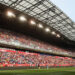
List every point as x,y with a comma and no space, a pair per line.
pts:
10,58
16,39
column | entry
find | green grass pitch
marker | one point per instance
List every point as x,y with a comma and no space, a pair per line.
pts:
51,71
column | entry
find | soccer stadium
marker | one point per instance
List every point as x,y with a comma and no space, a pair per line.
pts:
36,37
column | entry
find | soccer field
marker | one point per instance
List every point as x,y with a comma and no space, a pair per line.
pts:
52,71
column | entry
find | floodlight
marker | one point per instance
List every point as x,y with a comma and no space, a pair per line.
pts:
10,14
53,32
22,18
47,29
58,35
32,22
40,25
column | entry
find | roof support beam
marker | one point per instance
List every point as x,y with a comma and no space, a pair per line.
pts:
33,6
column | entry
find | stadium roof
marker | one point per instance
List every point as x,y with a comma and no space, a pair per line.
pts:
47,12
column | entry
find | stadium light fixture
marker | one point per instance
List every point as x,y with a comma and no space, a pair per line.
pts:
53,32
32,22
58,35
47,29
10,14
40,25
22,18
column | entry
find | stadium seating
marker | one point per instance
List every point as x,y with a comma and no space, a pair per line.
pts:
12,38
10,58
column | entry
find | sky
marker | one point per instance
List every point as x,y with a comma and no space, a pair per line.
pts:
67,6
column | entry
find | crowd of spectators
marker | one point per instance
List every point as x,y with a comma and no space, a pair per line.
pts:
14,57
12,38
16,39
